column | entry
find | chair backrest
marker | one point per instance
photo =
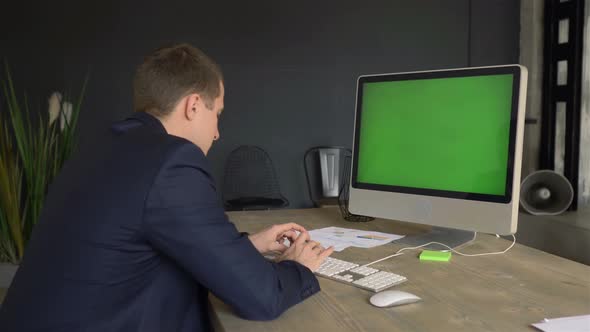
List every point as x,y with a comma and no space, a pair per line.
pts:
324,167
250,181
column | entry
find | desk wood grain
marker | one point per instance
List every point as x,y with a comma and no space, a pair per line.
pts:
491,293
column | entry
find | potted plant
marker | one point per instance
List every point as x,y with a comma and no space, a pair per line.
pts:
32,151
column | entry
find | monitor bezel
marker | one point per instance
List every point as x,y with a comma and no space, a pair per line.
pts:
465,72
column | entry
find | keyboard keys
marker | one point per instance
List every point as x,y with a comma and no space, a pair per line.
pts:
380,280
364,270
332,266
361,276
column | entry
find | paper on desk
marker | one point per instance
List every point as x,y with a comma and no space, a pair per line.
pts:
342,238
569,324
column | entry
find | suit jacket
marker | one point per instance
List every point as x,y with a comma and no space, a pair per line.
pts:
133,236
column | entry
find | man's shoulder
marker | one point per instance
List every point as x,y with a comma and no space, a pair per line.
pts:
182,151
171,151
141,144
149,141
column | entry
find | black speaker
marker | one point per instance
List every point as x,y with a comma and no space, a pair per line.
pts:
546,193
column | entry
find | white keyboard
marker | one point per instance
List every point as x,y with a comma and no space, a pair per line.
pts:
361,276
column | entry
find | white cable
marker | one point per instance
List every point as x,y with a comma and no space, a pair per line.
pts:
382,259
451,249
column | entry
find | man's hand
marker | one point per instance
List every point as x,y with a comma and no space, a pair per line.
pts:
308,253
273,238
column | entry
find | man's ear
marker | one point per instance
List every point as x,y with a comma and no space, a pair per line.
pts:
192,106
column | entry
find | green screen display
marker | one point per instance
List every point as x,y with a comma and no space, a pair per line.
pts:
447,134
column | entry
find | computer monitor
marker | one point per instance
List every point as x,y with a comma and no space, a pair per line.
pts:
440,147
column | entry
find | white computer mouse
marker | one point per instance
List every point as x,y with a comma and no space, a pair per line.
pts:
390,298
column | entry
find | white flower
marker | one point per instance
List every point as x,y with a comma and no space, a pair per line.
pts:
54,106
66,114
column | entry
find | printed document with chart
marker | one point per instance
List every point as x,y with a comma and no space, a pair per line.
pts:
342,238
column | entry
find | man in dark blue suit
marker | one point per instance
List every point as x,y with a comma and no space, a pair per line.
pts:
133,236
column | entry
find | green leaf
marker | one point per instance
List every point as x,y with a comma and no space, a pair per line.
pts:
31,155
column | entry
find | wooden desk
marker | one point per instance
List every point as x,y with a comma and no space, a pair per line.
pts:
490,293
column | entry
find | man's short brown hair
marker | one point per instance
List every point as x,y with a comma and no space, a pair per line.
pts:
169,74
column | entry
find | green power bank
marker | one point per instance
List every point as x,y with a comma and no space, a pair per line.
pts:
439,256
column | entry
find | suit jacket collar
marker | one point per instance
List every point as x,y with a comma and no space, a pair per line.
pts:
137,119
149,120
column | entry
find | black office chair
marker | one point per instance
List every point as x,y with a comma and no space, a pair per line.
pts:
250,181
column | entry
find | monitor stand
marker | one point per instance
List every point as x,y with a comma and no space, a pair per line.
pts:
454,238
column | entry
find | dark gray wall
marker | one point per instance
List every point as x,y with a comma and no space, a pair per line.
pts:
290,68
